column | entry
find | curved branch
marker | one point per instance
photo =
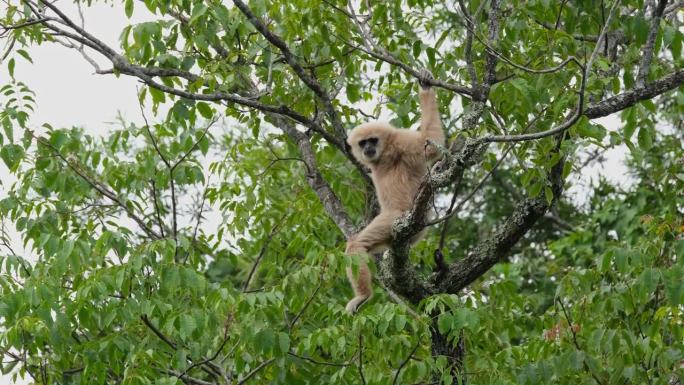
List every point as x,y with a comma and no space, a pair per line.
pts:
309,80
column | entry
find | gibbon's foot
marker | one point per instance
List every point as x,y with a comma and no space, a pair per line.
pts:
424,77
355,303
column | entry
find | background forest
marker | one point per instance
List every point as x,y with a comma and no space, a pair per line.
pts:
204,244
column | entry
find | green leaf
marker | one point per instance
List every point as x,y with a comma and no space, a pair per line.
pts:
128,8
197,11
535,189
353,92
187,325
644,138
205,110
641,30
588,130
444,322
12,154
25,55
674,285
548,194
10,67
283,342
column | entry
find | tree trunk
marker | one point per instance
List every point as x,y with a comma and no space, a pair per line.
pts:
454,351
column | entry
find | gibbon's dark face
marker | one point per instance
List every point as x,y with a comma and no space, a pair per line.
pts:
370,148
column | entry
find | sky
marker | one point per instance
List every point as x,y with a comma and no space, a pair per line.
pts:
69,93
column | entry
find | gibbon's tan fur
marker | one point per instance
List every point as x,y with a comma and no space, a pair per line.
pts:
399,160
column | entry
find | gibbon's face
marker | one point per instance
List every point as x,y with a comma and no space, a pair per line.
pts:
369,140
370,148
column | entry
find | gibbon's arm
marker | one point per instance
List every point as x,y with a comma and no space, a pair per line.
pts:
430,123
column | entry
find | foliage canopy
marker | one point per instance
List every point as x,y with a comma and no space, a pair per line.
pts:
204,246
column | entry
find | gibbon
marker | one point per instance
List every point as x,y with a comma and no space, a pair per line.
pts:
398,160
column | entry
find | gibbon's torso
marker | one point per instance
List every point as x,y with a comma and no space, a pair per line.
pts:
399,178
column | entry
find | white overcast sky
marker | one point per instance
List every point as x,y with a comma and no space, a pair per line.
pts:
68,93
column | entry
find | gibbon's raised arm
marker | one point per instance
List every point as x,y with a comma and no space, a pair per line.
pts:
430,123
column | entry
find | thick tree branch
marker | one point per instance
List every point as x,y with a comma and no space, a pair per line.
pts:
486,254
147,75
490,60
490,251
647,52
629,98
395,269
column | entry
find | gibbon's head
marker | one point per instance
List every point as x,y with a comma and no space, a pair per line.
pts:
369,140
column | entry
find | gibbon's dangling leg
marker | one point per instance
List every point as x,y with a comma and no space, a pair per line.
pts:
373,238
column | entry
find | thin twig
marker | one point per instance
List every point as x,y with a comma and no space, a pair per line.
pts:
255,371
157,209
313,361
472,193
308,302
363,379
264,247
574,341
174,209
405,361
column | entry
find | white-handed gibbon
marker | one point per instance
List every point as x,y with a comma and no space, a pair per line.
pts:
399,160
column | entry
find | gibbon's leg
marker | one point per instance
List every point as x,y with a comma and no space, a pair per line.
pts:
373,237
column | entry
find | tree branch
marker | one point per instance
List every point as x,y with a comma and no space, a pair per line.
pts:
332,204
255,371
647,52
309,80
490,251
262,252
629,98
100,188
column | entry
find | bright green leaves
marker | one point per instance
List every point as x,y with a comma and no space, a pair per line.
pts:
674,285
586,129
198,10
645,137
128,8
19,102
83,207
12,154
187,325
204,110
461,318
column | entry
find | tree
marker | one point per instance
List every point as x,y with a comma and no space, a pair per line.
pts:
513,283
